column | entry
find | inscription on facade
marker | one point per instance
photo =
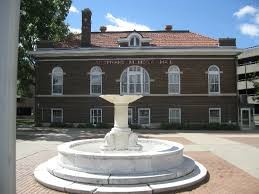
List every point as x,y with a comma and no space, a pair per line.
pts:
135,62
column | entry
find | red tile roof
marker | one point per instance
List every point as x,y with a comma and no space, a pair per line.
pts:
158,38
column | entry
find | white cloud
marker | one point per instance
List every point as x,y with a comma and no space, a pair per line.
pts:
257,19
250,29
247,10
74,30
73,9
121,24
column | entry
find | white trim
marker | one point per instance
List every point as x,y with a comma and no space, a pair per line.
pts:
179,109
129,73
178,72
214,73
219,109
96,116
139,109
245,109
61,114
179,95
134,51
52,75
149,58
99,74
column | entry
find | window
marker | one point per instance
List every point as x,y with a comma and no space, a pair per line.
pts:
174,115
135,80
214,115
96,115
130,115
57,81
173,80
144,116
96,80
213,80
56,115
134,41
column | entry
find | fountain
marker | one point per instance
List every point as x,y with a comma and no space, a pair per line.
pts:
120,163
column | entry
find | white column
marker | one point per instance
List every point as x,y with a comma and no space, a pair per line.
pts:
9,22
121,116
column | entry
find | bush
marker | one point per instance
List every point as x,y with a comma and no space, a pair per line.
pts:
207,126
135,126
61,125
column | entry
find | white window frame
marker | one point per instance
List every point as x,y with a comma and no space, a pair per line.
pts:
130,116
53,109
213,73
171,73
98,73
91,116
142,77
170,119
52,76
219,109
249,115
140,109
134,36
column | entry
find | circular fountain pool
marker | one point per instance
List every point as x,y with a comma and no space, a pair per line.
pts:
81,166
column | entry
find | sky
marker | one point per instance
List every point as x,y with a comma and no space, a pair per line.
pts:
214,18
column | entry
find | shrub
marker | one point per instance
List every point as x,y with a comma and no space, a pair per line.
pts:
206,126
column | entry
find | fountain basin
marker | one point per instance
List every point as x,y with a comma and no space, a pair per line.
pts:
86,156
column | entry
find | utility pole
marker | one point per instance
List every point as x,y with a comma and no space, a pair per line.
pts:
9,22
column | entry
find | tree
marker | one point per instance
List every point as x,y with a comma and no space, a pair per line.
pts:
39,20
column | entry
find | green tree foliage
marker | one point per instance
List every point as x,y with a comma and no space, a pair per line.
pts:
39,20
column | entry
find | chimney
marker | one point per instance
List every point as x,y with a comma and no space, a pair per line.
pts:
227,42
168,28
86,28
103,28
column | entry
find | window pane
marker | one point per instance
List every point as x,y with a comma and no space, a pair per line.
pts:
96,116
96,89
214,116
96,79
57,116
174,115
57,89
132,42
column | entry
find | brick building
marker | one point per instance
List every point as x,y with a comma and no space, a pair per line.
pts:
184,77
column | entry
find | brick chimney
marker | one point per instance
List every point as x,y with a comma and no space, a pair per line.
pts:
168,28
103,28
86,28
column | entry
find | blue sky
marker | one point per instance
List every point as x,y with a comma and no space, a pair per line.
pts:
214,18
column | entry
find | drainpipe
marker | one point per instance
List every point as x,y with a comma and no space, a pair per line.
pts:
9,22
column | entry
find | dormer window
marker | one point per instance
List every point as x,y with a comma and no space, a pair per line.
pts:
134,39
134,42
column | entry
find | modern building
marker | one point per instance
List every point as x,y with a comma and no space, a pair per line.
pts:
184,77
248,72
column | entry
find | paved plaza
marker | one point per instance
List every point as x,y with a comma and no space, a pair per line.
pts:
232,158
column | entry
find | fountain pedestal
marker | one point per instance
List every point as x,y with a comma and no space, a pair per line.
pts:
121,137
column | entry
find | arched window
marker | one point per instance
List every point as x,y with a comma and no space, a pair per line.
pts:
134,41
96,80
173,80
57,81
213,79
135,80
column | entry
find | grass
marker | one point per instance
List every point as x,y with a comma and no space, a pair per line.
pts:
24,122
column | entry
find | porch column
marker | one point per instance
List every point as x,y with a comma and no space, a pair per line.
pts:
9,22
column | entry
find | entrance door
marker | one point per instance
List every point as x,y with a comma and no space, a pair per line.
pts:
245,118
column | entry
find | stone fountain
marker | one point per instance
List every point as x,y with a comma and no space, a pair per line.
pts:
120,163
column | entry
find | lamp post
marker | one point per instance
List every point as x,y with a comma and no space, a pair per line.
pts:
9,22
